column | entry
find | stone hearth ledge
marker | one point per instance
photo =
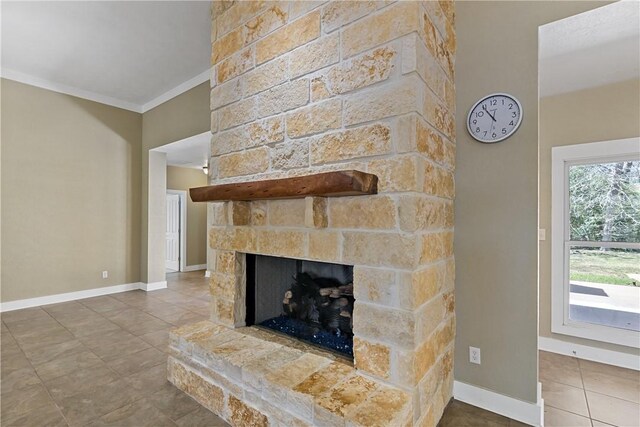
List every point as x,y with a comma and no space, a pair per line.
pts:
252,377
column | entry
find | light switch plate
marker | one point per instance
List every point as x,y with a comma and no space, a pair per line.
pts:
542,234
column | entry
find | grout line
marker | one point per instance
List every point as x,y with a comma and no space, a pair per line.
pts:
584,390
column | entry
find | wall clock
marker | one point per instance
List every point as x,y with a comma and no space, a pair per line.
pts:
494,118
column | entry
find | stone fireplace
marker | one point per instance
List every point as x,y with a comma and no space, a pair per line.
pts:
305,87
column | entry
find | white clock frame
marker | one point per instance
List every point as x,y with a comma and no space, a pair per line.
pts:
484,98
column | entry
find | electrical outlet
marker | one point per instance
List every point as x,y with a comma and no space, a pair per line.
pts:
105,274
207,273
474,355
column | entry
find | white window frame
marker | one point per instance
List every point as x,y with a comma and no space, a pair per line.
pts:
561,159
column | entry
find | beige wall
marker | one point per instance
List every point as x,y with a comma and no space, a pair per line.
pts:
181,117
598,114
183,179
496,207
70,193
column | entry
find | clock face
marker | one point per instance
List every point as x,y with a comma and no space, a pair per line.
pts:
494,118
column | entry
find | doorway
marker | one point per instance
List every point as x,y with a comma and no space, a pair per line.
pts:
175,243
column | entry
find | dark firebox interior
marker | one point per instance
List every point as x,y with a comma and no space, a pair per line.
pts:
311,301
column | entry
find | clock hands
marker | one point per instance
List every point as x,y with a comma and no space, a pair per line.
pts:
484,107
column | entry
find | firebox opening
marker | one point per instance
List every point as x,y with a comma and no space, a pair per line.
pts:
311,301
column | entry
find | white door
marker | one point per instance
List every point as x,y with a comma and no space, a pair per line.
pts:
173,232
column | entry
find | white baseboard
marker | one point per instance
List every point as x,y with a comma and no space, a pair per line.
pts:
519,410
195,267
609,357
68,296
153,286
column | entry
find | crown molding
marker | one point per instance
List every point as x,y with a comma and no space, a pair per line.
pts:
68,90
181,88
17,76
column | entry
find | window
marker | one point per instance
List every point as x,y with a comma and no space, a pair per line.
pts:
596,241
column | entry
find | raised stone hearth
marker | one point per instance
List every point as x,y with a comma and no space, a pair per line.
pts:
252,377
300,88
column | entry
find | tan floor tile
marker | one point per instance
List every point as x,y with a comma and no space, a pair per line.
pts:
138,361
158,339
13,362
613,411
565,397
30,314
617,371
596,423
65,365
103,304
80,381
113,345
140,413
18,379
173,402
47,415
42,355
555,359
615,386
44,339
83,407
149,380
201,417
558,418
560,373
20,402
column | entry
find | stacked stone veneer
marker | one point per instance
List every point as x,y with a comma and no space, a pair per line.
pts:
305,87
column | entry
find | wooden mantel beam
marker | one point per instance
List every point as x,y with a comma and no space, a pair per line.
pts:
326,184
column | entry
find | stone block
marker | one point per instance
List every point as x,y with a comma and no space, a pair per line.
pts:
244,163
400,173
239,213
315,55
214,121
238,113
345,396
359,142
244,415
428,317
435,112
258,213
394,99
372,358
288,213
226,46
282,243
236,65
271,19
324,245
379,249
235,16
290,155
417,287
241,239
226,262
418,212
434,145
377,285
393,22
315,215
436,247
223,285
254,372
374,212
206,393
319,89
416,58
225,93
387,407
217,213
254,134
298,8
340,13
297,33
284,97
394,326
278,383
266,76
315,118
361,71
438,181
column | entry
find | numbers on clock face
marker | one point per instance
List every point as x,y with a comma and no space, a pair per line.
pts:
494,118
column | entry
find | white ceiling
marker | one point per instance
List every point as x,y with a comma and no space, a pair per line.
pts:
192,152
595,48
131,54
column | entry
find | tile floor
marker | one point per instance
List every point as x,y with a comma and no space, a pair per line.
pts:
580,393
101,361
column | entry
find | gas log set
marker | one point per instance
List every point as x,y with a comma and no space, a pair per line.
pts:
318,310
